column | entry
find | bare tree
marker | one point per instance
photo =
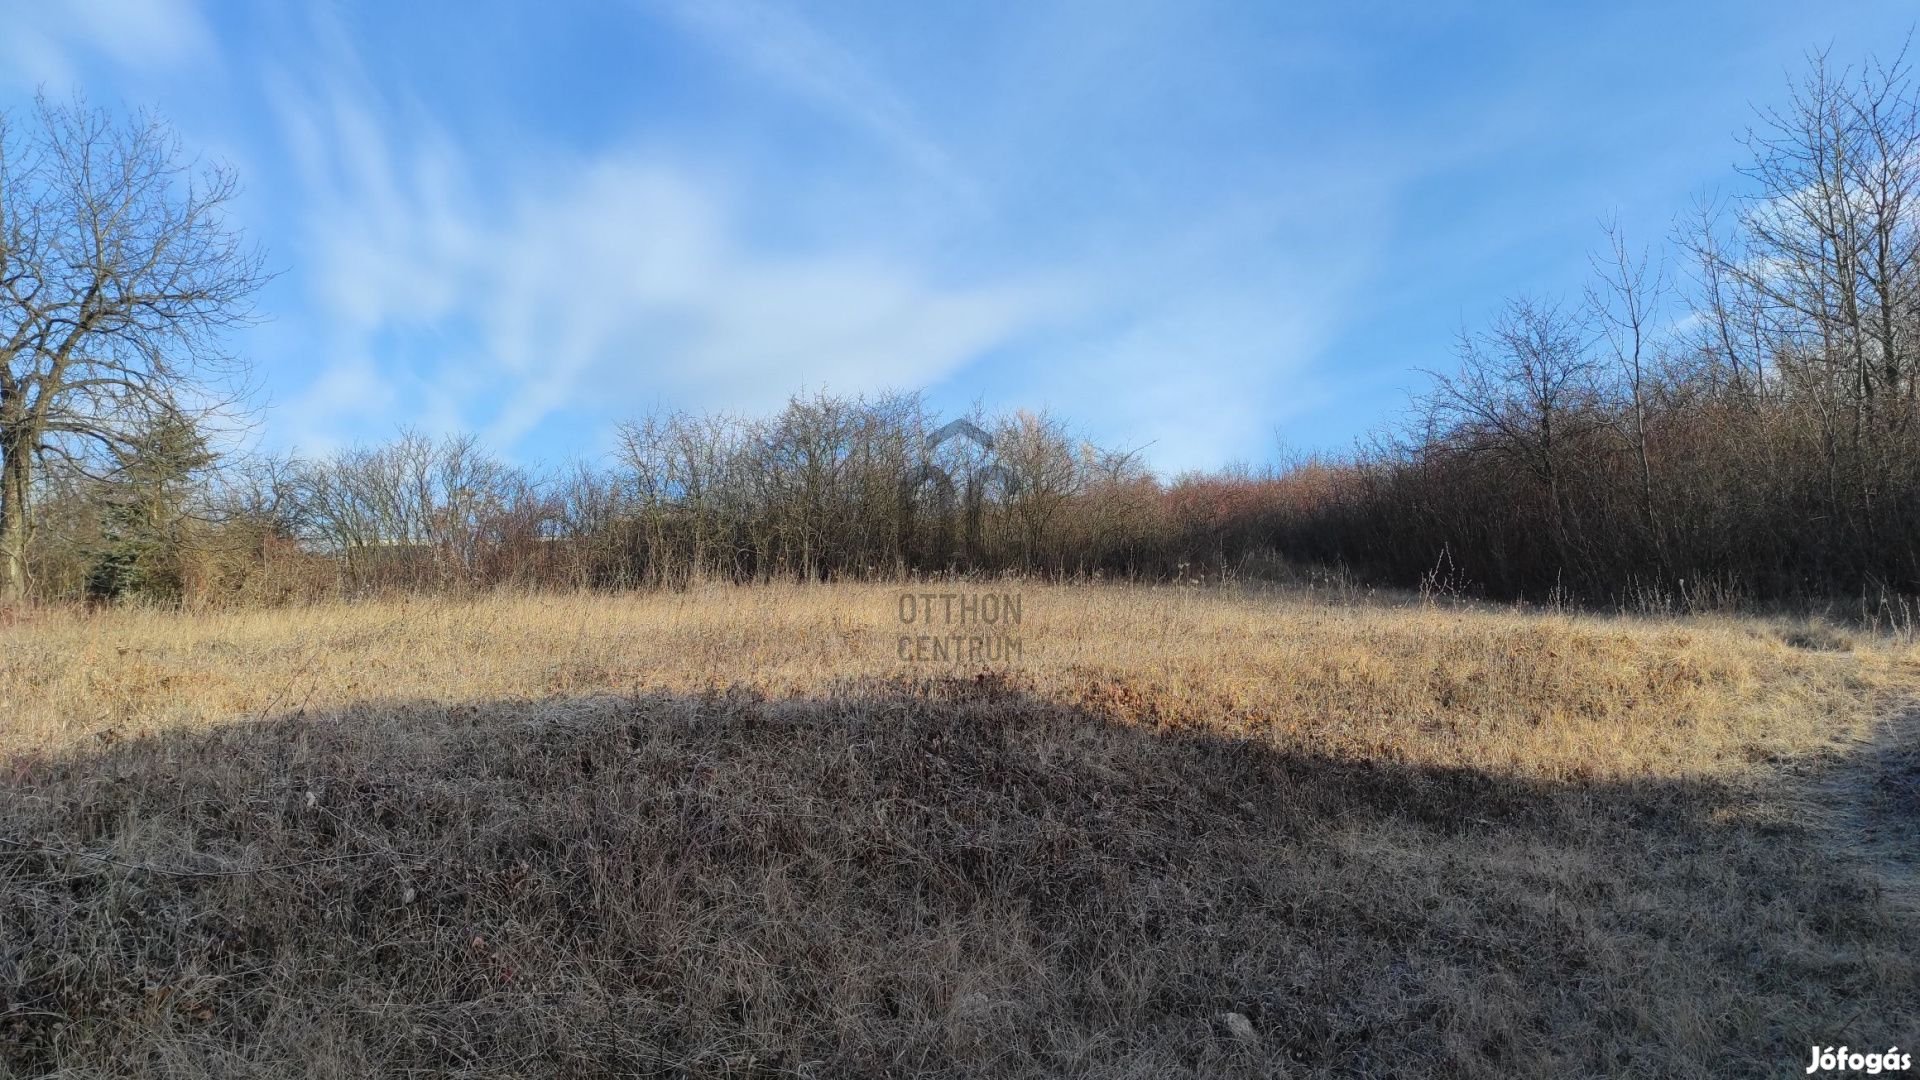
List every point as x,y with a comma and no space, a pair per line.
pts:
1818,278
1039,476
1524,390
1624,301
118,275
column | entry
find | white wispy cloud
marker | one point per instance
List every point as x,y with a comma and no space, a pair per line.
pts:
1196,376
611,283
1211,334
442,285
42,43
794,53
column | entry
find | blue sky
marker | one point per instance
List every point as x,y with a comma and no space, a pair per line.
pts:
1199,228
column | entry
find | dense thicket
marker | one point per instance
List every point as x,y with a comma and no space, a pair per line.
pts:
1747,426
1734,416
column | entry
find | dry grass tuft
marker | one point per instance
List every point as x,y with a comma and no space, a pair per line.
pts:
731,833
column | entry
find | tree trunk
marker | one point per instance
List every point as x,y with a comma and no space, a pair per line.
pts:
15,471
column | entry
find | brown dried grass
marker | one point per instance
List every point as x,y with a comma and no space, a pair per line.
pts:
730,833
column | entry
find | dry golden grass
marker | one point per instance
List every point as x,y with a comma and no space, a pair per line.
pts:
1556,697
731,832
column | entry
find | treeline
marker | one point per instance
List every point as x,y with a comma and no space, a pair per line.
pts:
826,489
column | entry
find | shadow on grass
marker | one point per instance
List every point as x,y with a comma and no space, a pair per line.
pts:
940,878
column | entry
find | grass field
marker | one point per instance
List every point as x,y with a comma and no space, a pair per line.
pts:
732,832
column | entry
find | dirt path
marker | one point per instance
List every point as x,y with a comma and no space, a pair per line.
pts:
1875,799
